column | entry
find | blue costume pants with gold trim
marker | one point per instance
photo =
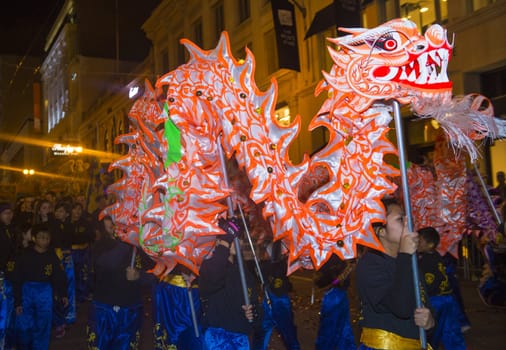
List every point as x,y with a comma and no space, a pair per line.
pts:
33,325
112,327
7,316
172,317
81,259
335,332
280,315
66,315
220,339
447,329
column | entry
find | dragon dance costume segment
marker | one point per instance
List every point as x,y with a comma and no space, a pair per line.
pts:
173,315
37,279
387,301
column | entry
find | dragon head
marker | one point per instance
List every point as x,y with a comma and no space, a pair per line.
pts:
392,60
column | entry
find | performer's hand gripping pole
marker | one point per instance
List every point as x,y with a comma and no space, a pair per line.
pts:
231,214
192,306
407,206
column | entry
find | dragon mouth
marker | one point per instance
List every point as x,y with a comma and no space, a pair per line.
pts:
427,70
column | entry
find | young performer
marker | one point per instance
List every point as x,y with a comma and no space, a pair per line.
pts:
7,254
61,233
334,331
433,270
279,312
175,325
115,316
227,320
390,318
38,274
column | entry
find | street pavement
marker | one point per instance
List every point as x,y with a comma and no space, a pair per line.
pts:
488,324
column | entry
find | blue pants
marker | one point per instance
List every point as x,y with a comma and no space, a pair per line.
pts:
7,316
66,315
220,339
447,329
335,332
279,314
81,259
172,317
33,326
111,327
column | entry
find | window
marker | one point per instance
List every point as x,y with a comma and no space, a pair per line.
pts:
164,61
478,4
198,36
219,20
271,51
181,53
244,10
424,13
325,61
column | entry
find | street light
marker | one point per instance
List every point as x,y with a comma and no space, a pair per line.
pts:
28,171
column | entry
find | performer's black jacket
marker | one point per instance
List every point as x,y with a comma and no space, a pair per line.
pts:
433,271
111,257
387,295
82,232
276,280
7,249
222,295
32,266
61,233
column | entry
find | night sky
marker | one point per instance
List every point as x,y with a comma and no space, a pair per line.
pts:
24,25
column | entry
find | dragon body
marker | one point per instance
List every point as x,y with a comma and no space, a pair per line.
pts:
173,189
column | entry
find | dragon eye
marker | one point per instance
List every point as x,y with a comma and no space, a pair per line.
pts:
390,44
387,44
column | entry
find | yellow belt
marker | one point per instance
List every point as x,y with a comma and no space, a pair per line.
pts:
79,246
381,339
176,280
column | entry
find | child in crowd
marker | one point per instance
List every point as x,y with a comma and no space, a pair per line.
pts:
38,274
440,293
278,313
228,321
390,318
61,232
174,297
7,254
334,331
115,315
83,235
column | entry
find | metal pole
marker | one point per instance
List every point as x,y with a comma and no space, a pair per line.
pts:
231,214
407,206
255,258
132,260
192,311
487,195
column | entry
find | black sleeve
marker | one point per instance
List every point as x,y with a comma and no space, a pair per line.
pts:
17,280
59,278
400,296
212,275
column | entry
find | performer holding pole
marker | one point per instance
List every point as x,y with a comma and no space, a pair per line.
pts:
237,244
407,205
